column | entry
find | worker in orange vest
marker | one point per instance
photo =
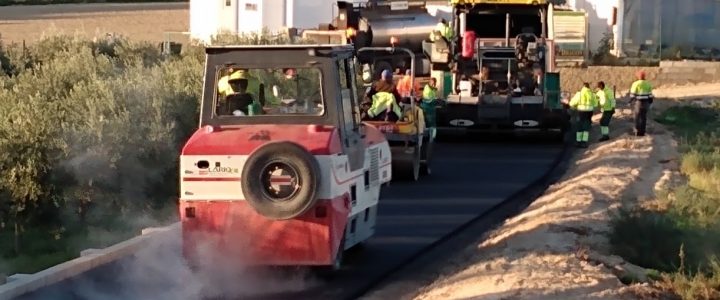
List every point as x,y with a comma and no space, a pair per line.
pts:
405,86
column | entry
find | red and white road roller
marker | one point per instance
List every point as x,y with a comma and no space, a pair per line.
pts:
281,172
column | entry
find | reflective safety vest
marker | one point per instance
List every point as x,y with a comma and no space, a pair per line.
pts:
641,90
404,86
584,101
445,31
606,98
381,102
429,93
224,87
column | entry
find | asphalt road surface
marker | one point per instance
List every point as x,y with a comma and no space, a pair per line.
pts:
467,180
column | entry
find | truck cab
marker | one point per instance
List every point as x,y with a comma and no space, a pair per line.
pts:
281,170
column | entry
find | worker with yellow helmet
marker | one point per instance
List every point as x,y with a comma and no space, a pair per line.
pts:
234,91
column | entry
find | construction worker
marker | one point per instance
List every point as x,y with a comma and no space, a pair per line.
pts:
429,102
384,97
239,102
442,30
405,86
606,99
584,103
224,87
641,97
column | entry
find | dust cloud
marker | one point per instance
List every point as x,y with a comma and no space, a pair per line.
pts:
160,272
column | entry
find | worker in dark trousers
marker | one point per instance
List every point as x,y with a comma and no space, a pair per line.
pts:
606,99
641,98
584,103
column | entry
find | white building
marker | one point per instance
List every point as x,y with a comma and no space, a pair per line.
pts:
603,16
210,17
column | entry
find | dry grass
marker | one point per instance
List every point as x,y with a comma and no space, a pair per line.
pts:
137,21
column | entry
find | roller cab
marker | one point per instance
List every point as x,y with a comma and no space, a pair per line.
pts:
281,171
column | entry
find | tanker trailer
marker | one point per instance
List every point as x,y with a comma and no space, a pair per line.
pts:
378,23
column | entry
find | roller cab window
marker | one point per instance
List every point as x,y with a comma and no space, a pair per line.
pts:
249,92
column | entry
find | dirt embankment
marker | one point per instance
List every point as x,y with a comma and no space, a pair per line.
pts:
146,21
557,248
571,79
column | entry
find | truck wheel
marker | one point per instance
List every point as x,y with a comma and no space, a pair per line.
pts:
280,180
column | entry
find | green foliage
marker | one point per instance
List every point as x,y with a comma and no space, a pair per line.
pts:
602,55
683,239
89,140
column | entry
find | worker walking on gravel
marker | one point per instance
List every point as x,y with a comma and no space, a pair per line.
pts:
584,103
606,99
641,98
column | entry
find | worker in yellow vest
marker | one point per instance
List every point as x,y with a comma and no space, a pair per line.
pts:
584,103
606,99
224,87
641,97
442,30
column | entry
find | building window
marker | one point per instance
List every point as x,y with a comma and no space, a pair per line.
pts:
228,2
251,6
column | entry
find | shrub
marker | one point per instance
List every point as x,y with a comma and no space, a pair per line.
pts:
683,240
89,141
89,138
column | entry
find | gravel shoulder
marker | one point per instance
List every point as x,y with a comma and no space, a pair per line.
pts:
557,247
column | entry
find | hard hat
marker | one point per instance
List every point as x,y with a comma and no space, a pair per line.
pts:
239,74
640,74
386,74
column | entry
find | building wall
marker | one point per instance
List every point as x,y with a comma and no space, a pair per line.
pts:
600,18
690,26
311,13
209,17
203,22
668,73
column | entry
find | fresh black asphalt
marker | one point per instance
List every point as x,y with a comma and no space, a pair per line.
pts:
468,179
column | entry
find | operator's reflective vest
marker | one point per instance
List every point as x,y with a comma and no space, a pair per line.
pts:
445,31
584,101
641,90
381,102
429,93
606,98
224,87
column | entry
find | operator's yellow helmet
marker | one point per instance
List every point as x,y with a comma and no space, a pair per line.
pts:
239,74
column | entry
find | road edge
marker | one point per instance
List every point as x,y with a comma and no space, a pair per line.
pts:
89,259
392,283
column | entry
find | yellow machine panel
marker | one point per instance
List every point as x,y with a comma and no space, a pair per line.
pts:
516,2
